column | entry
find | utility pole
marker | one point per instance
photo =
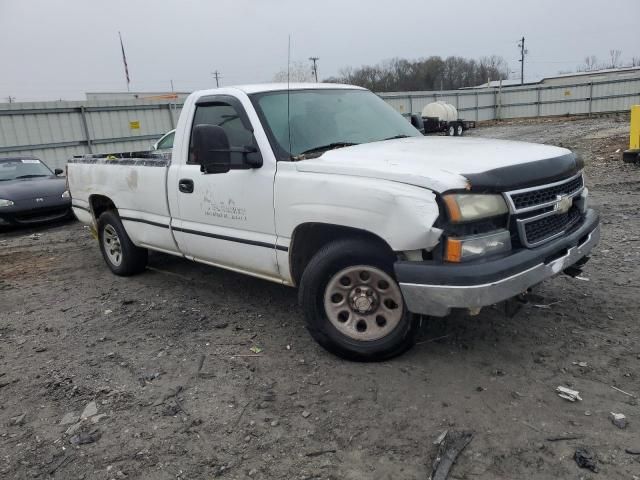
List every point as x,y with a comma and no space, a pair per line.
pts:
523,52
11,99
171,85
314,68
217,76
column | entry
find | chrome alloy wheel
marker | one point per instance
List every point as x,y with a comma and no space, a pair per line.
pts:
111,243
363,303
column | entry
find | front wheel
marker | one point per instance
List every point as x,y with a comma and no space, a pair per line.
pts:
119,252
459,130
353,305
451,131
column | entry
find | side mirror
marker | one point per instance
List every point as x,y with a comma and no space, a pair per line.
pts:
416,121
211,149
58,171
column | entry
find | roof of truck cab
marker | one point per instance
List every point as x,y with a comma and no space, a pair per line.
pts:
274,87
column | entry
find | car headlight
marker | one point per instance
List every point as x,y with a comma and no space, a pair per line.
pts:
466,207
473,246
5,203
66,194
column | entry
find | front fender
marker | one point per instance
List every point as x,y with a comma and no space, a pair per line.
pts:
402,215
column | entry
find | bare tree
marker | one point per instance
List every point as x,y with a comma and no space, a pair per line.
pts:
432,73
614,58
298,72
635,62
590,63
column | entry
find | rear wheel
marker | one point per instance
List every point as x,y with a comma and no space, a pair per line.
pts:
459,130
118,251
451,131
353,304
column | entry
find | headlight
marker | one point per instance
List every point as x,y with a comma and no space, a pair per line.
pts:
465,207
66,194
468,248
5,203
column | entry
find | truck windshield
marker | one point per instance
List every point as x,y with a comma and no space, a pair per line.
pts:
325,119
16,168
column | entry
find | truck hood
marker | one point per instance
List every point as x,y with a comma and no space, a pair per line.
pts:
28,188
444,163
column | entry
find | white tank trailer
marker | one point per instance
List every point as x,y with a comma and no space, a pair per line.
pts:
441,117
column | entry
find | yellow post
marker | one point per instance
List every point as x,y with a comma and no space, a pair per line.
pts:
634,137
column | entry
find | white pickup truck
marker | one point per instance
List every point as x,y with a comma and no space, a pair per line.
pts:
328,189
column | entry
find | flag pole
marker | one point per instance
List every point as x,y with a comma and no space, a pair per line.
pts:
124,60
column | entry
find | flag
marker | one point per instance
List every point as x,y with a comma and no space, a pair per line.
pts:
124,60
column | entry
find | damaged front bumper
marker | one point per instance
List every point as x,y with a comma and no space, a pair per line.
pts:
432,288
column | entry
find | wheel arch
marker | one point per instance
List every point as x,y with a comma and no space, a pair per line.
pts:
100,204
308,238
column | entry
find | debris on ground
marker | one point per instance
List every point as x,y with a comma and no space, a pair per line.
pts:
84,438
586,459
564,437
568,394
622,391
18,419
618,419
453,443
89,411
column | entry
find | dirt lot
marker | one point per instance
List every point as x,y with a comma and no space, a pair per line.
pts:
167,358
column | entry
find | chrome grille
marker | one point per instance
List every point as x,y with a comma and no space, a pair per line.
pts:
545,212
550,226
535,198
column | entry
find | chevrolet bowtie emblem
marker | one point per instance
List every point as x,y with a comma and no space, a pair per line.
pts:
39,200
563,204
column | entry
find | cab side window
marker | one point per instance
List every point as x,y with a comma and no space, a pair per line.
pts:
225,116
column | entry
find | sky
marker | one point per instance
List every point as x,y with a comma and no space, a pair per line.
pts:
59,49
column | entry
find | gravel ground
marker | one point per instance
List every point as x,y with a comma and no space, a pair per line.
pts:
178,390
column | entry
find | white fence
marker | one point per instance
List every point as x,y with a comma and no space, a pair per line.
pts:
55,131
612,95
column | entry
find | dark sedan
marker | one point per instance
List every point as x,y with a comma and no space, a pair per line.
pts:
31,193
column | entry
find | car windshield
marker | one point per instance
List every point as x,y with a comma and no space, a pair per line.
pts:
325,119
17,168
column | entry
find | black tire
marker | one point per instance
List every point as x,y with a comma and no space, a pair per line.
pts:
330,260
132,259
459,130
451,130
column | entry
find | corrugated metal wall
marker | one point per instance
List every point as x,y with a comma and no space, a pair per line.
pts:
55,131
610,95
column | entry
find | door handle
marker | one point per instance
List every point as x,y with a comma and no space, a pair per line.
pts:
185,185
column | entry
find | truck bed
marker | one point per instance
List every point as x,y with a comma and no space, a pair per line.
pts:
136,181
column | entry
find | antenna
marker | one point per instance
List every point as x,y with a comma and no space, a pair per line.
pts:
289,92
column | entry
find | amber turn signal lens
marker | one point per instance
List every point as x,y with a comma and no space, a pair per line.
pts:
453,208
453,252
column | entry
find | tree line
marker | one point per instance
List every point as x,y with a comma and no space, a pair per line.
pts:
432,73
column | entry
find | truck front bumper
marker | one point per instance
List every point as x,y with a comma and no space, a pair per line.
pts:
432,288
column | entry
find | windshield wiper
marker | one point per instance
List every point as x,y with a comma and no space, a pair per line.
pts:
30,176
329,146
394,137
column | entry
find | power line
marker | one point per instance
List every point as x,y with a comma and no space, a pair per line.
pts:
314,68
217,76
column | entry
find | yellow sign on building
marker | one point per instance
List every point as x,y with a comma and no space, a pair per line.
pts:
134,125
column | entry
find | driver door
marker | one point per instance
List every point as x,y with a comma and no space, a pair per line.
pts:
227,219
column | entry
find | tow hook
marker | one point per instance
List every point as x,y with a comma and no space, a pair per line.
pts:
576,269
